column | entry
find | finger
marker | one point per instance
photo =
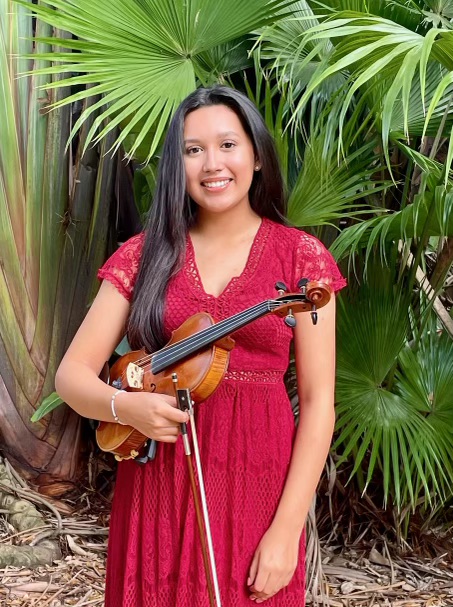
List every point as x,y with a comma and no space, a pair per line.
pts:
167,438
174,415
170,400
168,430
262,599
253,570
260,581
272,586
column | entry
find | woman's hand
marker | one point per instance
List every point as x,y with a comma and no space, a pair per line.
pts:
154,415
274,562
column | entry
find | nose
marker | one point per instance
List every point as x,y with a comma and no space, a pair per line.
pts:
212,161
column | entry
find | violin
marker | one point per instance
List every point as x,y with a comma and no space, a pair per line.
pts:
198,354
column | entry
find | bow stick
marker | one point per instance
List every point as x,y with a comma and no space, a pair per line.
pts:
185,403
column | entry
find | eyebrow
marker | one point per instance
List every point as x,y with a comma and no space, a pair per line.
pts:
220,136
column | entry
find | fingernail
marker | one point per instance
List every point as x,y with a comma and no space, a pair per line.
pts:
249,581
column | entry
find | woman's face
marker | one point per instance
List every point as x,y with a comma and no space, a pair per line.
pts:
219,159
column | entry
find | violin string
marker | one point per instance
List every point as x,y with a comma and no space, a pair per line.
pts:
179,349
223,324
182,346
209,334
217,330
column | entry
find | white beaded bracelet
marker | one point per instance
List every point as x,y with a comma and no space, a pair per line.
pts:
112,405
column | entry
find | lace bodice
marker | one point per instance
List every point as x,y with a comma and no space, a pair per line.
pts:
306,254
278,253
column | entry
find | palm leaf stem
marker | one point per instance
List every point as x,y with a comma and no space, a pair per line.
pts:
421,247
407,184
443,264
431,295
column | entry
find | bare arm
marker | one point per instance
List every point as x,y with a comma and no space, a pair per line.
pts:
315,366
77,380
277,555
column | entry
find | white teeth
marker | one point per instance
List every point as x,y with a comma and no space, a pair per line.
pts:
216,184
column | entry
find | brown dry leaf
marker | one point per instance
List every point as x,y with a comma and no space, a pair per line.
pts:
376,557
33,587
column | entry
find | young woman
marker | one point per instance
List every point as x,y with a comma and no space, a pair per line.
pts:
215,241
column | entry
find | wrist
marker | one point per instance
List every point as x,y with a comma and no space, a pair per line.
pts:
118,408
289,525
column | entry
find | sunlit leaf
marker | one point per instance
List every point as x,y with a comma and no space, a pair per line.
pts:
139,55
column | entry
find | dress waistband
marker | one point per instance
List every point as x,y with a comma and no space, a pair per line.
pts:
263,377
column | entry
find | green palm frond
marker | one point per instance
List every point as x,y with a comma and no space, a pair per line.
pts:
377,422
409,14
419,119
273,106
326,188
441,13
373,50
430,213
280,44
224,60
425,378
140,56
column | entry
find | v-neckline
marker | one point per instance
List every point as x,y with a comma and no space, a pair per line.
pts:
193,273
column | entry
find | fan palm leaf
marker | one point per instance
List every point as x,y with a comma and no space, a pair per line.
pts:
141,56
327,189
430,213
373,51
380,424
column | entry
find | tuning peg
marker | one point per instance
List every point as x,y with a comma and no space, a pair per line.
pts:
290,320
314,315
281,287
302,284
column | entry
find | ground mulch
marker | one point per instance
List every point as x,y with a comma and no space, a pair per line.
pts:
352,576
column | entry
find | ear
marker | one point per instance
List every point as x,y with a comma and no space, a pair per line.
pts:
257,166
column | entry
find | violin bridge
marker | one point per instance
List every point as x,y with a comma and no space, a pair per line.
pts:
134,375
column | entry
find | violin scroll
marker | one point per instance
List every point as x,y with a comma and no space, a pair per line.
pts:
312,296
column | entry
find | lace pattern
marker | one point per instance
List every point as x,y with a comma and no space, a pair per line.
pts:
122,267
315,262
260,377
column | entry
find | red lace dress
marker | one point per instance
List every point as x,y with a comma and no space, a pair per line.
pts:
246,429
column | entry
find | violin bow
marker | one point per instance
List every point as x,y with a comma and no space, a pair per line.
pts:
185,403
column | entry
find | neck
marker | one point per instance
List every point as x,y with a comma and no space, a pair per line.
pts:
227,225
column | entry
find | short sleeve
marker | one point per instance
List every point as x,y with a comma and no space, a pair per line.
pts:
122,267
315,262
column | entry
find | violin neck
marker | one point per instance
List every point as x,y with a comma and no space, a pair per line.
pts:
176,352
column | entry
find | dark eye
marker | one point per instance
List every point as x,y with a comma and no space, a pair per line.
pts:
228,145
193,150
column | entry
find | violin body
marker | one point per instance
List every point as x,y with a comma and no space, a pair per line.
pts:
201,373
198,353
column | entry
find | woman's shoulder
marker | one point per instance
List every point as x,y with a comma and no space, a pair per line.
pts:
296,238
121,268
309,257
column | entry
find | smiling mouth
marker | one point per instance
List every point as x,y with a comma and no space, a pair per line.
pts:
212,185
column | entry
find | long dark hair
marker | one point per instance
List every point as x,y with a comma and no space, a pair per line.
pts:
173,212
